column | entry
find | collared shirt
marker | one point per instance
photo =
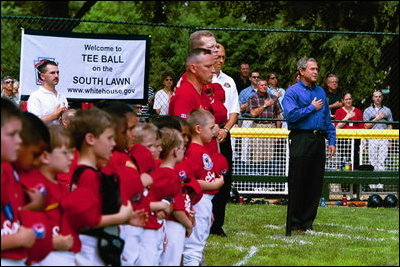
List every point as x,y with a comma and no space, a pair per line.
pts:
161,102
333,98
241,84
244,97
258,100
231,95
185,99
43,102
371,112
301,114
273,91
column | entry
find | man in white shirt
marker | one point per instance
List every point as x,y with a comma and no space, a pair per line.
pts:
46,102
232,105
378,148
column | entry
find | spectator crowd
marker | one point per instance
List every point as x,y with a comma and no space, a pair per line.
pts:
101,185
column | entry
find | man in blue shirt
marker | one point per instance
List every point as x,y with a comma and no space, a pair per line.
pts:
244,97
308,118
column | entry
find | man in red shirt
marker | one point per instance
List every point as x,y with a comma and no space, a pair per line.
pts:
188,96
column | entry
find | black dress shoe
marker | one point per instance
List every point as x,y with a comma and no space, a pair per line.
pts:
220,233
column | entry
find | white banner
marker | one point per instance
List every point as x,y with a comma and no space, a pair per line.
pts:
92,66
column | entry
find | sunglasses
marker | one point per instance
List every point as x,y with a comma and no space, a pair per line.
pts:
9,82
272,78
255,77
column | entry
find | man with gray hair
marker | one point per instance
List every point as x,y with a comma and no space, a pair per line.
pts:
308,118
203,39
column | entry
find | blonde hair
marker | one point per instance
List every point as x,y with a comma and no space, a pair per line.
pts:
59,137
143,130
170,138
199,117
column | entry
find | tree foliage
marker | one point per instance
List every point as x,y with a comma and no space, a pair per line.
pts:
363,62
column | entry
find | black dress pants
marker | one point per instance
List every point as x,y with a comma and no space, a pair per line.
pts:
221,198
306,171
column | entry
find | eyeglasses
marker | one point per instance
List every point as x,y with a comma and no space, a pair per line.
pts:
255,77
67,152
9,81
272,78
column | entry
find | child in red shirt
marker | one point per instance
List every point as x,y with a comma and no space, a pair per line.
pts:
15,237
178,224
56,159
93,132
202,125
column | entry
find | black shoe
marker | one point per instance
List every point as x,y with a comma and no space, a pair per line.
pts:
219,232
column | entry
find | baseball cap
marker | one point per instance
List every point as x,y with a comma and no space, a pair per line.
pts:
143,158
221,165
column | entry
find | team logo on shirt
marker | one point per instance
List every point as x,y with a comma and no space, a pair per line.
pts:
227,85
40,230
184,179
210,177
9,228
207,162
56,230
42,189
182,174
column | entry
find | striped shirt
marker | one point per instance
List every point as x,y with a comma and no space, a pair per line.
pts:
272,111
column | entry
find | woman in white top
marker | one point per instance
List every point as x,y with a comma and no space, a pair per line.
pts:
273,89
161,100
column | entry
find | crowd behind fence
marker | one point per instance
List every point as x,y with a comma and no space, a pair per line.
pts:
269,50
344,160
275,53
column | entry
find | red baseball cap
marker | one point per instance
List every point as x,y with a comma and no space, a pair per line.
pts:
143,158
193,189
219,93
221,165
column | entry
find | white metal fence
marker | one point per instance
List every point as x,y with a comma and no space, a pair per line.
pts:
253,156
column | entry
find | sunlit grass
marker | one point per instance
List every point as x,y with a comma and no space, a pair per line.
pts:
343,236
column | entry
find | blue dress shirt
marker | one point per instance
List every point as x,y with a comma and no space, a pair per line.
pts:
244,97
301,114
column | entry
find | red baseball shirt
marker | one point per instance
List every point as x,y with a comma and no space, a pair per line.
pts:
186,99
53,193
166,185
130,185
203,168
12,200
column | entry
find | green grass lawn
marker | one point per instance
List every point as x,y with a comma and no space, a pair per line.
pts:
342,236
